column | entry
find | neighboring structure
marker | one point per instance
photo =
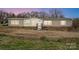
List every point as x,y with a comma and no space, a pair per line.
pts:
33,22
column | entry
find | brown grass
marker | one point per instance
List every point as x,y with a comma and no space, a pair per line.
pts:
35,33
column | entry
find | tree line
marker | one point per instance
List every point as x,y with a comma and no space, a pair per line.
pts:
53,13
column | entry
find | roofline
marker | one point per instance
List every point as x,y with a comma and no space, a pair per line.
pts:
18,18
42,18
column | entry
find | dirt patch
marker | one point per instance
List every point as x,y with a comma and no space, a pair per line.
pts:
35,33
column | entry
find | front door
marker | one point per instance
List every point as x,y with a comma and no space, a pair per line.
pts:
39,26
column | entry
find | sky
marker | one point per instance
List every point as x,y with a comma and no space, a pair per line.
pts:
67,12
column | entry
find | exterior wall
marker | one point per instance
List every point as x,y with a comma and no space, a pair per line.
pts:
61,23
34,21
14,23
31,22
47,23
21,23
69,23
26,22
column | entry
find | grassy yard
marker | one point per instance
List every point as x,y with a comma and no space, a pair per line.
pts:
20,43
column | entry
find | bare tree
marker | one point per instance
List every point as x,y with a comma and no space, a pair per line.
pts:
22,15
34,14
56,13
43,15
11,15
3,17
28,15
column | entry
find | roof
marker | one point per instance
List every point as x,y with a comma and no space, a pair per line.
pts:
57,19
41,18
17,18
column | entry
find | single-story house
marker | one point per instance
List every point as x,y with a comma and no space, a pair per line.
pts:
33,22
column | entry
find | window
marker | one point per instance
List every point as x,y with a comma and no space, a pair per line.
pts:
63,22
16,22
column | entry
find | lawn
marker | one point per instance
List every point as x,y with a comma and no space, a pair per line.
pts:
8,42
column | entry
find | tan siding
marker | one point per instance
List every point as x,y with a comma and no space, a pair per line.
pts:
27,22
15,22
47,23
57,23
34,21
